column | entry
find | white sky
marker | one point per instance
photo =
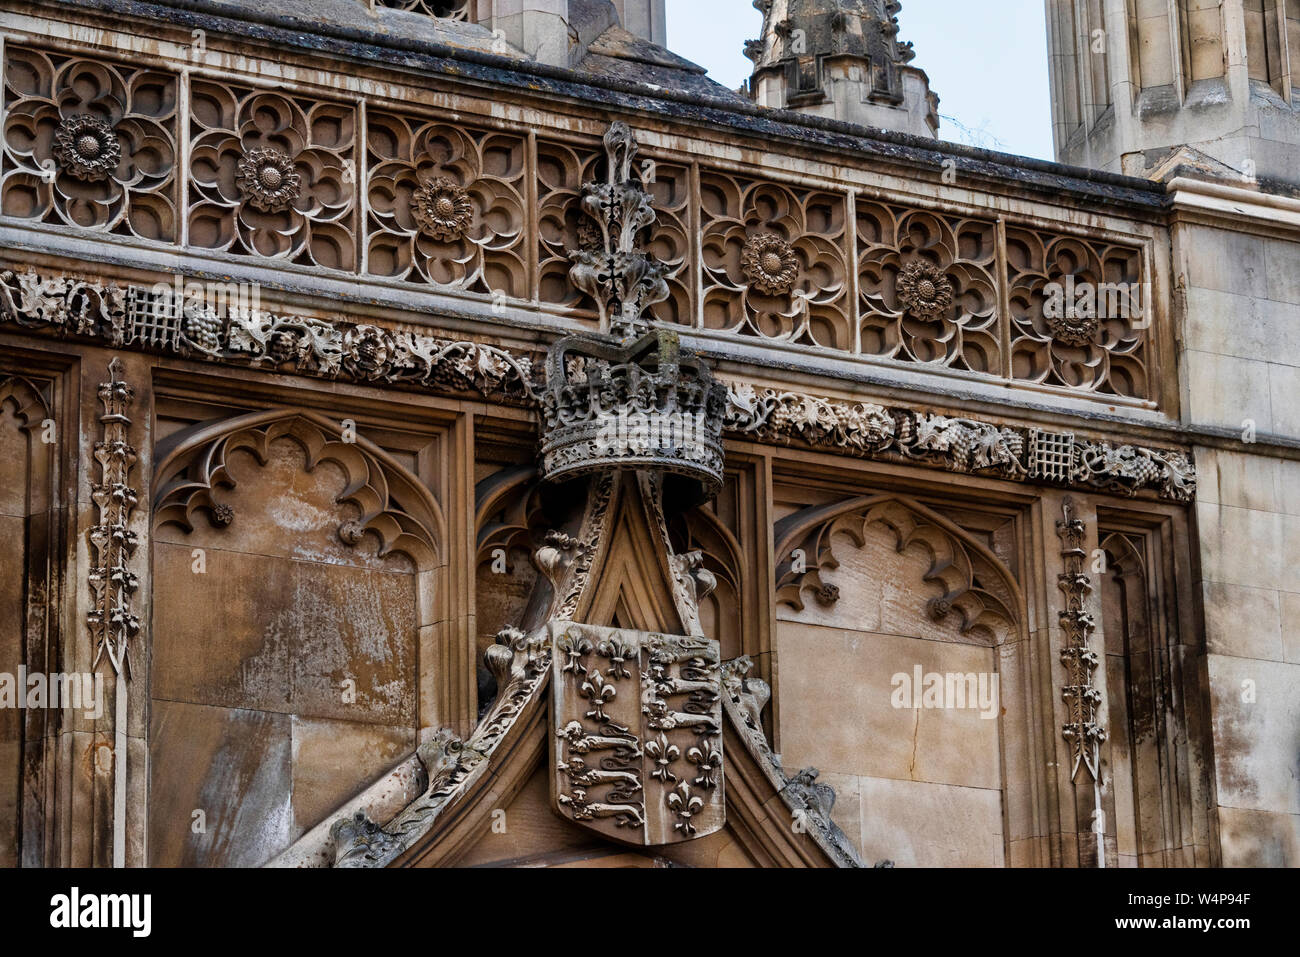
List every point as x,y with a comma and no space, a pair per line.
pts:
989,68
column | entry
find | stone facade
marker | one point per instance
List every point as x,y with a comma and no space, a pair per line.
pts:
463,434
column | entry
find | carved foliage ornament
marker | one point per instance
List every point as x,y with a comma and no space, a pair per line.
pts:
638,734
131,317
744,698
959,444
140,318
1083,731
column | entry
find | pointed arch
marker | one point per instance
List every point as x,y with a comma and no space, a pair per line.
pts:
30,403
393,503
961,566
631,585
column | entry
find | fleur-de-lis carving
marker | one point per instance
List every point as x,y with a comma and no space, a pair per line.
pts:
708,762
664,754
685,805
596,690
618,652
574,650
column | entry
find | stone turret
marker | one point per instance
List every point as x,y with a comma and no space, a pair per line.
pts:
841,59
1132,85
646,19
552,31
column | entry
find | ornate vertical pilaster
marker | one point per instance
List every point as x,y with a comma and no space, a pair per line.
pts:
112,585
113,622
1082,731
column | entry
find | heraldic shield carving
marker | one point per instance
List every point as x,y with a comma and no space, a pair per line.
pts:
637,744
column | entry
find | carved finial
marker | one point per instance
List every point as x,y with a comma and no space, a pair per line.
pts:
614,269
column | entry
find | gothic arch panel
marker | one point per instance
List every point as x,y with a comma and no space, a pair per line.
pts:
914,633
295,570
26,527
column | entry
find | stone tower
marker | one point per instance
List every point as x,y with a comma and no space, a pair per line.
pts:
841,59
1132,82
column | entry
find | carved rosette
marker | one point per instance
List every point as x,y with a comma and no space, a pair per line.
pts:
1080,315
637,750
770,264
1083,731
773,263
89,144
272,176
112,621
87,148
927,286
1073,330
268,180
447,205
442,209
924,290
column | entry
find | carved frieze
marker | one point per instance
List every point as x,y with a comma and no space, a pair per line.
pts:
959,444
143,318
138,318
637,750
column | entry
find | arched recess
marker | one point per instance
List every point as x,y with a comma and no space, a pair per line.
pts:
295,629
914,632
28,619
723,610
509,522
1152,749
630,585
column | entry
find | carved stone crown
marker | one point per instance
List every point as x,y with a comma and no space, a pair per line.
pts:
649,404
